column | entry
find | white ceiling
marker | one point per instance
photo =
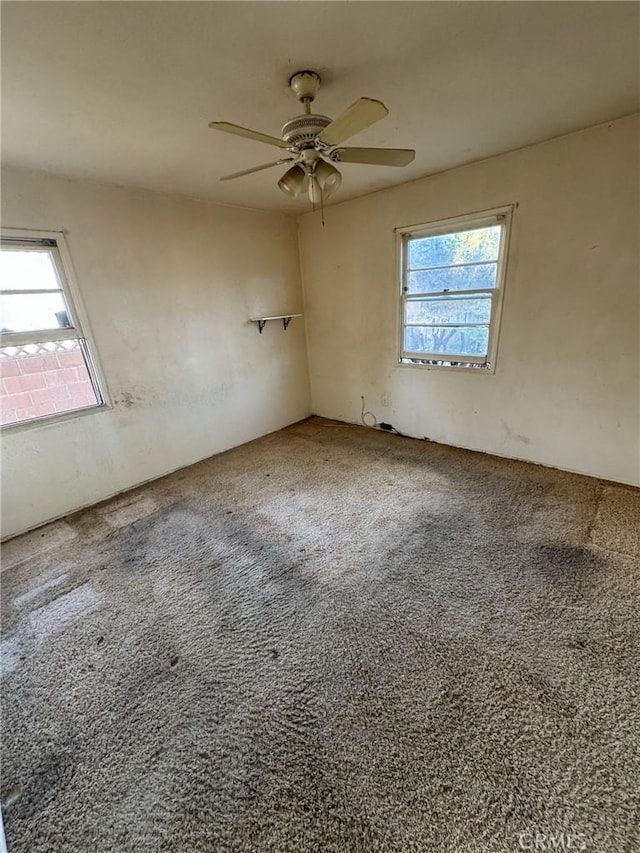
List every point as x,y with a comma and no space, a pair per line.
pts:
123,92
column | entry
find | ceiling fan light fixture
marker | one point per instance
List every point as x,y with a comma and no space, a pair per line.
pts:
315,192
292,182
325,181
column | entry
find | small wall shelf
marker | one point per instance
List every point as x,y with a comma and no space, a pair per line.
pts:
261,321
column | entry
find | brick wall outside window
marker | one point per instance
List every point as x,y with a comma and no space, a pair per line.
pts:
33,386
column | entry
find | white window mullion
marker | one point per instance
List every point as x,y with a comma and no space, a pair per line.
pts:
40,336
453,266
448,294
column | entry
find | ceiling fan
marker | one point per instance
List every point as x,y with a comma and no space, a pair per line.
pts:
315,143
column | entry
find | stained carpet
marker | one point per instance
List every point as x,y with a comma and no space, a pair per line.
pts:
330,640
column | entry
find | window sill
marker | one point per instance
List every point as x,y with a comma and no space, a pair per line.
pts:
53,420
486,371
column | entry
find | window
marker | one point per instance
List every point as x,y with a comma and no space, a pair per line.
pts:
46,367
452,284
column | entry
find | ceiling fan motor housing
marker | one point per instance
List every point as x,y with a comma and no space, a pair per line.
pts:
301,131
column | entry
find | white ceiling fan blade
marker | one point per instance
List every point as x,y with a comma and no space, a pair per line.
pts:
376,156
249,134
257,169
361,114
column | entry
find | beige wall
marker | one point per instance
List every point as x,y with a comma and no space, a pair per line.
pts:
168,285
566,389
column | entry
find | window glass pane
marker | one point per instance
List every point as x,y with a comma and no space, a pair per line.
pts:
27,269
452,310
462,247
470,340
452,278
33,311
43,379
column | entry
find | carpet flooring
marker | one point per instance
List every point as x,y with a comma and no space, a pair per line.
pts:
330,640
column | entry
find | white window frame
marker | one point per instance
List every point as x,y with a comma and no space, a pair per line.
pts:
79,330
495,216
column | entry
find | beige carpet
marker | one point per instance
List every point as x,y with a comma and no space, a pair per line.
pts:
331,640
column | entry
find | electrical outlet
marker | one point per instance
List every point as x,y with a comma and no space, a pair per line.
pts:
385,401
